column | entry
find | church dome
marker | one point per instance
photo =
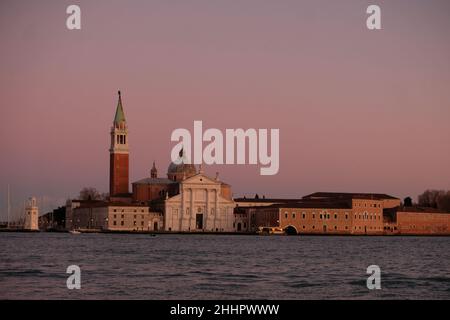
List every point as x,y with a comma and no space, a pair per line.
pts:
188,169
180,170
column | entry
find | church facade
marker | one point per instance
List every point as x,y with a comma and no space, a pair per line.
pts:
199,205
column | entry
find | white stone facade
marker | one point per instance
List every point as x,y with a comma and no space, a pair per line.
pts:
199,207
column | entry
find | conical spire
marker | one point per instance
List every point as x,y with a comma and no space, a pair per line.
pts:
120,115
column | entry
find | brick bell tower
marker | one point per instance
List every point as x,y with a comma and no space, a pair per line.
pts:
118,154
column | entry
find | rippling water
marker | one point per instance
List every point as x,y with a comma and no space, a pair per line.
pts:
113,266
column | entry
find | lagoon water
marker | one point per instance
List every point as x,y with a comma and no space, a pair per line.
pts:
127,266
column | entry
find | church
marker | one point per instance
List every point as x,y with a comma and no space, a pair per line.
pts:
187,199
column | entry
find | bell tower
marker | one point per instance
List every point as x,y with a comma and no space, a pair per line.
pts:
119,154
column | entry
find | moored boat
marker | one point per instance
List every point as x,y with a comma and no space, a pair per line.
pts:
270,231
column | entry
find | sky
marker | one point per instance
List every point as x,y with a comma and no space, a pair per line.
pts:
358,110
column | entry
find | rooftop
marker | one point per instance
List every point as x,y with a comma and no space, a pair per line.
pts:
154,181
100,204
315,205
348,195
279,200
306,204
413,209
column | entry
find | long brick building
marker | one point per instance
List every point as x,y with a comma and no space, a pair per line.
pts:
340,214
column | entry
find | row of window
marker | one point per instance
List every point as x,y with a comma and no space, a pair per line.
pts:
217,229
199,210
321,216
328,216
369,228
367,217
324,227
375,205
346,228
123,210
134,216
122,223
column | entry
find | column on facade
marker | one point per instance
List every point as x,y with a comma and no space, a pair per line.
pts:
182,209
208,210
191,209
216,210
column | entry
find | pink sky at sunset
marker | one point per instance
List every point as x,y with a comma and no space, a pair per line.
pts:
358,110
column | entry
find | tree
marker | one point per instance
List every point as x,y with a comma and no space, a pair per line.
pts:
429,198
89,193
443,201
438,199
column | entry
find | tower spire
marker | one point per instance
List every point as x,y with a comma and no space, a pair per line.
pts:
120,115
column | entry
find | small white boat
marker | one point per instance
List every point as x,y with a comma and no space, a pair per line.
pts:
74,232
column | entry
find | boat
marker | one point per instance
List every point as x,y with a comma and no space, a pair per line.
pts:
74,232
270,231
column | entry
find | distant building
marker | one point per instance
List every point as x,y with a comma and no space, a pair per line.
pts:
71,205
186,201
345,213
108,216
416,221
31,215
54,220
153,187
241,220
324,213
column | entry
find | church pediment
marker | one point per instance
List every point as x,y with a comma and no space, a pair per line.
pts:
200,179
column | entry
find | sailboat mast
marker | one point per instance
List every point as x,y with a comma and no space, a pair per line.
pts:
9,206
